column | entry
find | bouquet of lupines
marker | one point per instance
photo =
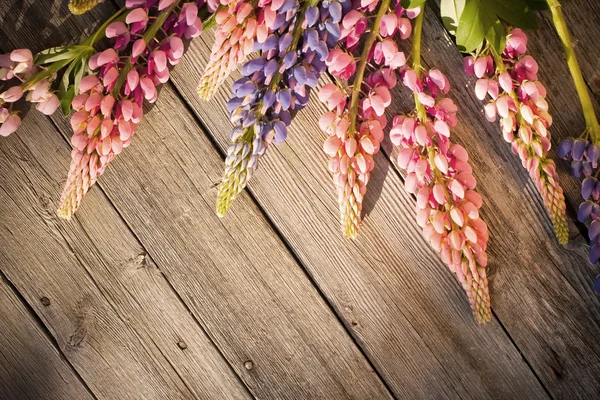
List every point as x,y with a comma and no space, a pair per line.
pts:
105,89
286,47
518,100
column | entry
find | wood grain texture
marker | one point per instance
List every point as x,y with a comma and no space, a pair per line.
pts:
108,306
30,365
237,277
400,302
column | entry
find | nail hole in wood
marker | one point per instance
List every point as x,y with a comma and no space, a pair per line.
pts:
248,365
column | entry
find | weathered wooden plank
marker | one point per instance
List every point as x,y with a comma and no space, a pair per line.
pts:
104,300
31,367
238,278
399,301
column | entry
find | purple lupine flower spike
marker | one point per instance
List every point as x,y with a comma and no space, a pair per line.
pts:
275,85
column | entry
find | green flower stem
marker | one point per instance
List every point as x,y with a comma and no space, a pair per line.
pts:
362,65
416,55
592,126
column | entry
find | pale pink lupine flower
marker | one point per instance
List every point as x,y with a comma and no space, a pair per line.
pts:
439,175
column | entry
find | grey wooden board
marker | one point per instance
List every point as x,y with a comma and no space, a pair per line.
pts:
238,278
110,309
30,365
400,302
557,328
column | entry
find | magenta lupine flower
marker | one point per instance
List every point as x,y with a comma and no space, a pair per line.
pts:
108,107
356,119
237,29
277,84
518,100
18,65
441,178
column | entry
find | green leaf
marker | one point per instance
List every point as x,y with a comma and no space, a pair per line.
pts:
66,100
474,23
54,54
496,36
515,12
450,11
79,71
411,3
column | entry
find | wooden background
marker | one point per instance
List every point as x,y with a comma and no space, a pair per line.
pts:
147,294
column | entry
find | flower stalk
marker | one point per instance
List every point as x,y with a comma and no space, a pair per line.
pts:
362,65
591,121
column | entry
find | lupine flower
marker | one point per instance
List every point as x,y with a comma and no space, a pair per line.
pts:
584,162
18,65
356,120
441,178
81,6
108,107
276,85
238,27
518,100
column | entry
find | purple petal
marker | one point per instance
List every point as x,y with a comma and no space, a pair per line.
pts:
565,147
312,14
269,99
585,209
587,168
286,117
280,132
592,154
289,59
300,75
587,186
285,99
270,67
285,42
270,43
252,66
335,10
594,230
333,29
579,147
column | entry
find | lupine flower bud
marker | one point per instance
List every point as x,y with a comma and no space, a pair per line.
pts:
519,100
82,6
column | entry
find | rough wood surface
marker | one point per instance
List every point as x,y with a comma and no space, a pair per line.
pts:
30,365
393,293
253,298
107,305
237,277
